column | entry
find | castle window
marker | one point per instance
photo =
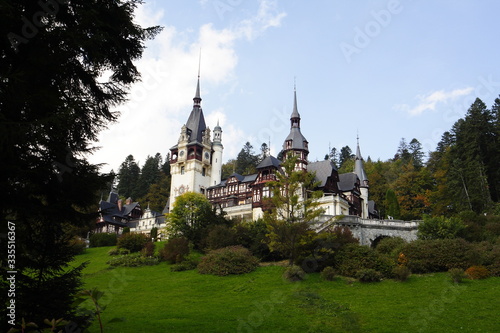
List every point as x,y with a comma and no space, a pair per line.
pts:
203,172
182,170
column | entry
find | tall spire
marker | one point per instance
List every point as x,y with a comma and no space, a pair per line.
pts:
359,169
197,98
295,117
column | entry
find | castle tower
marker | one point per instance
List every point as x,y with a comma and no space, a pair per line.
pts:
359,170
217,149
191,158
295,142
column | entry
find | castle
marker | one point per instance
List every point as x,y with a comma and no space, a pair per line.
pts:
196,165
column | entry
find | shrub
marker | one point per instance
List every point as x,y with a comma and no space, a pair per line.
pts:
294,273
354,257
133,242
390,246
456,274
132,260
77,245
186,265
401,273
175,250
228,260
439,255
220,236
103,239
126,230
328,274
477,272
252,235
114,251
368,275
148,250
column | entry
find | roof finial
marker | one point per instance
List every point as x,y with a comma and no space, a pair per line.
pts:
199,64
197,97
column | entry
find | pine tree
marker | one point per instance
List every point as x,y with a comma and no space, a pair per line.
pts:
150,174
54,100
128,176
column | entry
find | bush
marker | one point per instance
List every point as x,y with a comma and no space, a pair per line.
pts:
103,239
148,250
132,242
354,257
328,274
401,273
116,251
368,275
439,255
175,250
456,274
220,236
228,260
390,246
133,260
477,272
294,273
77,245
252,235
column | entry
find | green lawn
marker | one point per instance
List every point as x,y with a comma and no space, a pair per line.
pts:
153,299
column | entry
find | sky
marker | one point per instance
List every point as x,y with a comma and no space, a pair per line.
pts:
377,70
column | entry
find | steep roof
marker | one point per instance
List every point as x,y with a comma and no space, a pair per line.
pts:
347,181
269,161
359,169
323,170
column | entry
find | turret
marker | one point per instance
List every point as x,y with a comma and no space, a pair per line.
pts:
295,142
217,149
359,170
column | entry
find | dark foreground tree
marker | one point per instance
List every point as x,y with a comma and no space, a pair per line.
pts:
54,100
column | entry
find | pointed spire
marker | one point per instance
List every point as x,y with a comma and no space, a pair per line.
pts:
359,169
295,117
197,97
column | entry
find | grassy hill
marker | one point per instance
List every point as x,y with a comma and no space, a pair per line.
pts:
153,299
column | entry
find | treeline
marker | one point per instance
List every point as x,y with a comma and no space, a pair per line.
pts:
149,184
462,174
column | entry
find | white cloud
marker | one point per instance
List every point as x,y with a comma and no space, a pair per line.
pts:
430,101
267,17
150,121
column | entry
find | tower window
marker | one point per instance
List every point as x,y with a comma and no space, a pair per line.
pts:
203,172
182,170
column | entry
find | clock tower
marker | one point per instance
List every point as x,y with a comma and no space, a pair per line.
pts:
195,161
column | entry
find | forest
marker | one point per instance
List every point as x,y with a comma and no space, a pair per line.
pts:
461,174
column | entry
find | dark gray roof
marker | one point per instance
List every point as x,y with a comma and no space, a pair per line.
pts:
196,124
237,176
358,166
250,178
323,170
269,161
295,112
347,181
298,140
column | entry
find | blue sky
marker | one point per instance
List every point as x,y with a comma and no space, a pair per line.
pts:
383,70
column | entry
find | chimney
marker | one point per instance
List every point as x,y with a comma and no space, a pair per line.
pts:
120,204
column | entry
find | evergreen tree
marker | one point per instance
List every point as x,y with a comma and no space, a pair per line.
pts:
54,100
294,205
403,152
392,205
416,153
228,168
150,174
158,194
345,155
472,155
128,176
247,161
